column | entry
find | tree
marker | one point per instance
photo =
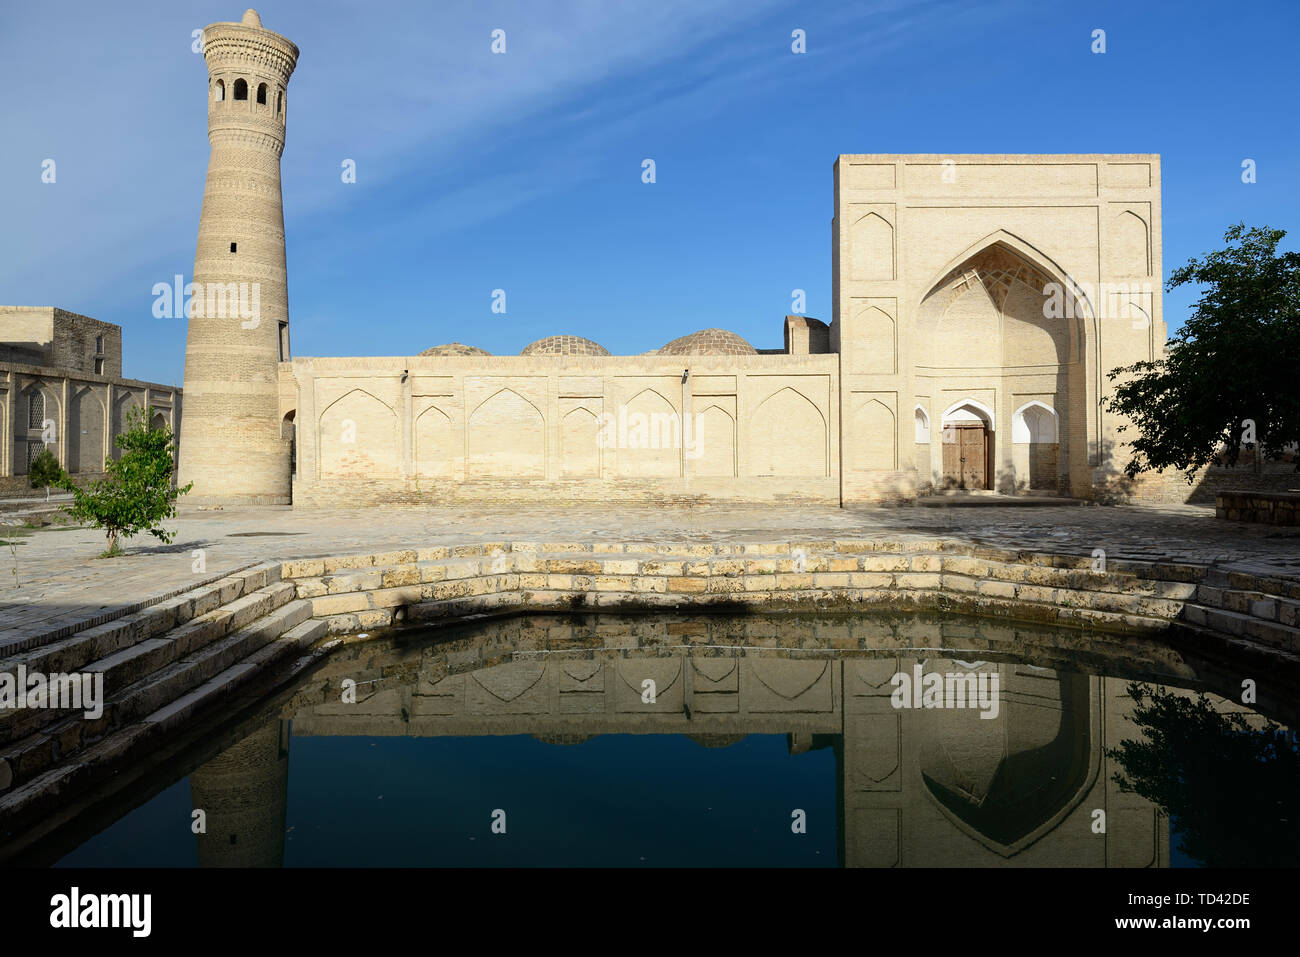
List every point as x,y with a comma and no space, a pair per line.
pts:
1232,791
136,493
1229,376
45,470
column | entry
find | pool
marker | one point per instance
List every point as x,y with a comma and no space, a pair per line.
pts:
692,740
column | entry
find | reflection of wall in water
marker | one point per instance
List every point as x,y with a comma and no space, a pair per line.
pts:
244,791
945,787
926,787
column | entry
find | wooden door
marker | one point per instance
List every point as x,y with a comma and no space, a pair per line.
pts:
965,456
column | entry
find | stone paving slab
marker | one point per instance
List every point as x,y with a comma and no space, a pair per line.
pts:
50,578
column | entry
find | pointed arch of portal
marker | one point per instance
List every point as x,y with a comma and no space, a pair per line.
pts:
1036,258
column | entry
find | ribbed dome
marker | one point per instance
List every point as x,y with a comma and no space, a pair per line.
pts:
709,342
564,346
455,349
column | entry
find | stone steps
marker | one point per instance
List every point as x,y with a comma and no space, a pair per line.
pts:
167,694
1224,621
130,648
1257,604
99,758
124,624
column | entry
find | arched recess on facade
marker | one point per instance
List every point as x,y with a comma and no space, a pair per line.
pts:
580,443
788,436
648,437
507,438
357,437
1005,315
436,445
1071,298
38,413
921,424
1035,436
711,443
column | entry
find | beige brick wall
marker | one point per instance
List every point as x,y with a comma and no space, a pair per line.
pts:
940,268
566,429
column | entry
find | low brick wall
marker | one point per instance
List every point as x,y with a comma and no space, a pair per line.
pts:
1269,508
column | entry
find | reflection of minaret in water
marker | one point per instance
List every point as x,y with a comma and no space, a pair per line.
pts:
244,791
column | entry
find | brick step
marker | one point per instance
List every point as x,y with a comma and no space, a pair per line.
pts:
21,760
127,651
1257,604
1224,621
103,754
128,623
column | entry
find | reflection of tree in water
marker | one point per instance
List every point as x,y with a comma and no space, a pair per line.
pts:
1233,791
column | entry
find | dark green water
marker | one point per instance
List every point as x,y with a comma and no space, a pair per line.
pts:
769,741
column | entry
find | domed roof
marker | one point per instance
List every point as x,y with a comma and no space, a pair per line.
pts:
709,342
455,349
564,346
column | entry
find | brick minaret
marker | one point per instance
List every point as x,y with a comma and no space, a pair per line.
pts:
231,446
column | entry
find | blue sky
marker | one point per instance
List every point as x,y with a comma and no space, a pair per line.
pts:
523,172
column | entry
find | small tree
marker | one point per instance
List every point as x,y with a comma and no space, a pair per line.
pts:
45,470
1229,375
136,493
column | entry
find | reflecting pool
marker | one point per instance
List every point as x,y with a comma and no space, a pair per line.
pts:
862,741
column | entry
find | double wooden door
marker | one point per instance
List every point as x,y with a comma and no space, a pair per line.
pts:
966,455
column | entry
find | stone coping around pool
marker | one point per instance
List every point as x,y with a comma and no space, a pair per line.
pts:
364,593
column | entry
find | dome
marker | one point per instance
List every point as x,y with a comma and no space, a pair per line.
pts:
564,346
455,349
709,342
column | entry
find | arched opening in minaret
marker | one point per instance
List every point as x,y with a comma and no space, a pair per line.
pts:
261,94
219,93
241,89
287,432
279,102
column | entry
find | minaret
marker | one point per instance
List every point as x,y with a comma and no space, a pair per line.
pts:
231,446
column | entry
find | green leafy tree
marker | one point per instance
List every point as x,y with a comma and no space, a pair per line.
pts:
1231,790
136,493
1229,376
45,470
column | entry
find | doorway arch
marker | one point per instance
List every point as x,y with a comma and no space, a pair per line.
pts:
967,444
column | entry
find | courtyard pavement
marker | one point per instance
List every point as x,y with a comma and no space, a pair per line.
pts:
51,577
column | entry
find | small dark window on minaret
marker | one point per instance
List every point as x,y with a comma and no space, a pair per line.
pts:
261,93
241,89
232,246
279,102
